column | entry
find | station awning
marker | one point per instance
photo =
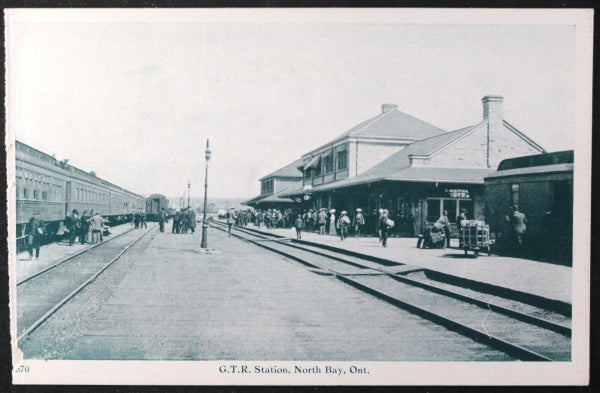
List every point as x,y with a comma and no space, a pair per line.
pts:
313,163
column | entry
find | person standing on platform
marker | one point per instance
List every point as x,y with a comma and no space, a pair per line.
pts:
322,221
380,211
192,220
444,222
161,220
85,227
343,224
96,223
359,222
459,221
384,227
73,223
518,224
143,220
230,220
176,219
35,232
298,225
332,222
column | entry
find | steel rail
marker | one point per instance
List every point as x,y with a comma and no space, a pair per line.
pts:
78,253
556,306
93,278
489,340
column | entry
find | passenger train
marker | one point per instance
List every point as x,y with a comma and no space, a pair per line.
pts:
55,188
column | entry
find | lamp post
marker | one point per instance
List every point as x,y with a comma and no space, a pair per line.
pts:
204,222
189,193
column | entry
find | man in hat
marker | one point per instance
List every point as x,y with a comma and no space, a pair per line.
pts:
230,220
359,222
298,225
444,222
459,221
342,224
384,227
380,211
73,224
35,231
96,223
322,220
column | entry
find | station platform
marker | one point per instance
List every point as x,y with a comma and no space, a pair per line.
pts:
52,253
525,275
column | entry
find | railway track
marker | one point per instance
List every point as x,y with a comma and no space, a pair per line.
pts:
521,326
40,295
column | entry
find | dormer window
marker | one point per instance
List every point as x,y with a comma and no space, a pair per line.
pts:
266,186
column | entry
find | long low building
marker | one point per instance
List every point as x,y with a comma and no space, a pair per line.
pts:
410,167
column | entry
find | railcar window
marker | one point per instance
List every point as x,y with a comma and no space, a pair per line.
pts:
514,190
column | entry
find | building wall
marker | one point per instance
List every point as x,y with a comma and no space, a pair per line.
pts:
472,150
364,155
281,184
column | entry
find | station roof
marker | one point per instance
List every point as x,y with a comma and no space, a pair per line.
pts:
270,198
398,167
392,124
290,170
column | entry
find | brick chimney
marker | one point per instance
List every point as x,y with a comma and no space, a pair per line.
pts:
492,110
388,107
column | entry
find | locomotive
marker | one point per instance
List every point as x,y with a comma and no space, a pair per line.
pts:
55,188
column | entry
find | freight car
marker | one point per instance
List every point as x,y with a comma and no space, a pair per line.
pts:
154,204
55,188
541,186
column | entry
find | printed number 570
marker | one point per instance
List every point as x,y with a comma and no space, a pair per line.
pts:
22,369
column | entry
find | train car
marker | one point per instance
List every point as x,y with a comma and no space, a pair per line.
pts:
541,186
154,204
55,188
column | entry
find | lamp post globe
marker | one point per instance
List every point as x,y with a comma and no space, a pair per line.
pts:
204,243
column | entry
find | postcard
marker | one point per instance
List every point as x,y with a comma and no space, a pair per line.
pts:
299,196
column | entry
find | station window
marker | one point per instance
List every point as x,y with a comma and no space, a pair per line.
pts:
45,195
25,193
328,164
36,194
307,173
318,170
514,191
435,207
342,160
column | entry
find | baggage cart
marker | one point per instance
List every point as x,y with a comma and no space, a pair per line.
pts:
475,236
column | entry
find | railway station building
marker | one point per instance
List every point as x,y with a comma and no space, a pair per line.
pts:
412,168
274,184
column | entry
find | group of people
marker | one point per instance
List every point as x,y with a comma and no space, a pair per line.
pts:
139,219
87,227
184,220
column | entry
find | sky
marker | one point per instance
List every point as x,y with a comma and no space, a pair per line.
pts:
135,99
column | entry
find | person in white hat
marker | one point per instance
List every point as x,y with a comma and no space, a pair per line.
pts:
322,220
332,222
342,224
359,222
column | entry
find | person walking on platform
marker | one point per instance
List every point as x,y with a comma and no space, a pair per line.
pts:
322,220
444,222
73,224
343,224
359,222
518,223
230,220
298,225
384,226
35,232
143,220
380,211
